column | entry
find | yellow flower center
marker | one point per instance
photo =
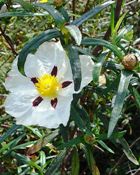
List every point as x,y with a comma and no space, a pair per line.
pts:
43,1
48,86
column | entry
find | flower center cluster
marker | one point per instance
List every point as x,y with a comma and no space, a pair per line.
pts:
48,86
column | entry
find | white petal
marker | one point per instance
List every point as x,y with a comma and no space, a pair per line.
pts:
50,117
45,115
63,109
75,33
67,91
33,66
19,104
52,54
86,70
16,82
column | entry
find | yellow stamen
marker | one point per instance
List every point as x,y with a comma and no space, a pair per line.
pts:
48,86
43,1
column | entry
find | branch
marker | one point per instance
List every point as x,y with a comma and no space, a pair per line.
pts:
8,40
107,35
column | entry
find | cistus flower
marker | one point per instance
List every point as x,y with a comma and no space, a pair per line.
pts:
43,1
43,97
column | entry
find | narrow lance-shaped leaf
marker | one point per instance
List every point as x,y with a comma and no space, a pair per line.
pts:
42,142
75,163
71,143
137,97
58,18
75,66
75,33
90,159
33,45
22,13
127,151
119,100
26,5
9,132
94,11
103,144
65,14
97,67
101,42
77,119
54,166
122,33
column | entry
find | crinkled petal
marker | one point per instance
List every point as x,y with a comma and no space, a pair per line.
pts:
86,70
16,82
63,109
47,116
19,104
33,66
52,54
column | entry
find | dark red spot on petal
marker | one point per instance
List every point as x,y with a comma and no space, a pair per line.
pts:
34,80
54,71
66,83
37,101
54,102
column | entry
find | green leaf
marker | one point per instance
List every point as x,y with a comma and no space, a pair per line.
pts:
58,18
112,21
122,32
137,97
75,33
75,66
24,145
9,146
35,131
42,158
54,166
64,12
9,132
97,67
84,116
71,143
119,23
90,159
20,158
42,142
33,45
103,144
127,151
77,119
96,72
94,11
119,100
101,42
26,5
75,163
22,14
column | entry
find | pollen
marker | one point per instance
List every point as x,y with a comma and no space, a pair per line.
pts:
48,86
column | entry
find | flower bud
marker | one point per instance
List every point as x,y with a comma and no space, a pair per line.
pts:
58,3
89,138
129,61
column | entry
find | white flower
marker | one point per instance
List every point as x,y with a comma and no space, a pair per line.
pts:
44,97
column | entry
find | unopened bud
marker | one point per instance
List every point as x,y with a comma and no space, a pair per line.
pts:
58,3
129,61
89,138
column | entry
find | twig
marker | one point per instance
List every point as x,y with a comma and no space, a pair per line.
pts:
73,8
8,40
107,35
